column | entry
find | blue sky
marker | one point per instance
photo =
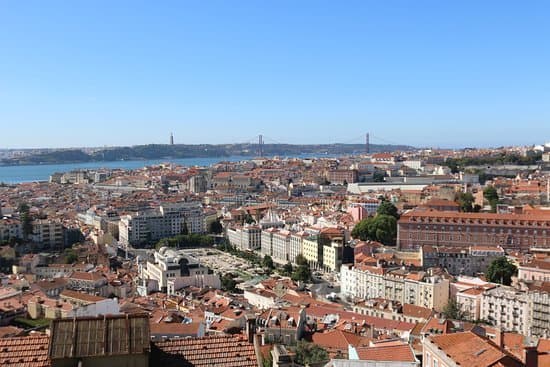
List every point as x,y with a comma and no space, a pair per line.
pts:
425,73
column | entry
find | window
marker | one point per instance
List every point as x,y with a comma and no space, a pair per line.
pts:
436,364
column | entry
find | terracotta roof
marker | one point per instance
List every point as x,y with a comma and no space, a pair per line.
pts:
175,328
390,353
67,293
337,339
469,349
31,351
10,331
474,291
228,351
416,311
86,276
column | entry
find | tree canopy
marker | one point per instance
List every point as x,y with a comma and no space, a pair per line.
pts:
267,262
490,194
465,200
216,227
186,240
26,219
387,208
452,310
382,228
309,353
501,271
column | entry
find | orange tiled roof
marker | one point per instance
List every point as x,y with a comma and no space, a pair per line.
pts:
472,350
390,353
29,351
337,339
228,351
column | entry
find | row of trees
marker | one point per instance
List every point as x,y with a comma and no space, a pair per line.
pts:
458,164
186,240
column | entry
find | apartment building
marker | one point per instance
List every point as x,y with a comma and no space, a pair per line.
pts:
535,270
281,246
296,245
416,288
333,254
421,227
89,282
469,301
313,252
247,238
48,233
507,308
539,316
169,220
267,241
60,270
9,228
459,260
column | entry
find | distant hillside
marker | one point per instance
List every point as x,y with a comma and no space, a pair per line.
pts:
158,151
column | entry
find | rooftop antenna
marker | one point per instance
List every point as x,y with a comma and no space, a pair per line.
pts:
171,138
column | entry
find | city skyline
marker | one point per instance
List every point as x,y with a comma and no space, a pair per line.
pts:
425,75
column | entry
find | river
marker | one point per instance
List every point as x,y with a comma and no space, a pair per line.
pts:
32,173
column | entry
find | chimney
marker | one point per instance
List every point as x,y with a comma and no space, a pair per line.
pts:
250,327
530,356
499,338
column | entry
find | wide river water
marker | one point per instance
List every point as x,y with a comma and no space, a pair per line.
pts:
42,172
17,174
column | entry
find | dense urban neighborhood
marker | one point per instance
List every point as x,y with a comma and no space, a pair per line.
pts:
404,258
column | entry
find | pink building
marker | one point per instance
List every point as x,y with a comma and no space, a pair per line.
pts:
358,213
535,270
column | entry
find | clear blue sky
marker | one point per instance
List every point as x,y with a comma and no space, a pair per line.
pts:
426,73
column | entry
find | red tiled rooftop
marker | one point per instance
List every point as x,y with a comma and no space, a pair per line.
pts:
472,350
29,351
387,353
228,351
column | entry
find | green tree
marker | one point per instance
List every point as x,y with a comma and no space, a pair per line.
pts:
465,200
301,260
501,271
26,219
248,219
70,256
452,310
228,283
387,208
309,353
267,262
185,228
216,227
301,273
361,230
383,228
490,194
378,176
287,269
